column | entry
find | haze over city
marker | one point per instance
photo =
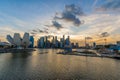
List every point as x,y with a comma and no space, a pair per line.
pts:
95,19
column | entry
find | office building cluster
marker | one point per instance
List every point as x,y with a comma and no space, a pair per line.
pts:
44,42
26,42
75,45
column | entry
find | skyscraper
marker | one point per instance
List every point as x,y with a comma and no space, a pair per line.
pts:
69,38
56,42
94,44
31,42
63,40
46,41
77,45
68,46
53,40
41,42
67,41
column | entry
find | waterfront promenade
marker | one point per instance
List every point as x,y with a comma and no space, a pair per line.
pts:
90,53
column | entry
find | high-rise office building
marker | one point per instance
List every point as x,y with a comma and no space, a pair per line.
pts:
63,40
41,42
77,45
46,41
68,46
56,41
118,43
94,45
72,44
53,40
31,42
69,38
67,41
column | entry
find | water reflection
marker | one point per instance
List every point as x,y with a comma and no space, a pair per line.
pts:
20,55
46,64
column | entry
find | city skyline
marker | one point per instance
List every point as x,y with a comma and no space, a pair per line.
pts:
77,18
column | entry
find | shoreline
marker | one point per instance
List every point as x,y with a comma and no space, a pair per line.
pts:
76,53
13,50
113,56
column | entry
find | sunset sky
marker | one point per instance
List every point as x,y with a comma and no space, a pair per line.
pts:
77,18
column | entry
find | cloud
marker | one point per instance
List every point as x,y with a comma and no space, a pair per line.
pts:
39,31
68,18
54,24
57,25
99,23
104,34
32,33
13,21
88,38
5,30
94,4
73,9
34,30
71,14
110,5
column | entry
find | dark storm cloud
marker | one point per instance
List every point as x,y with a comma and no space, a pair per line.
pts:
57,25
71,13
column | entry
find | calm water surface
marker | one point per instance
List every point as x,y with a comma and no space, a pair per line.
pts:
52,66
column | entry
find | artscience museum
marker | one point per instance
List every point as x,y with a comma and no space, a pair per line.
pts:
19,42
